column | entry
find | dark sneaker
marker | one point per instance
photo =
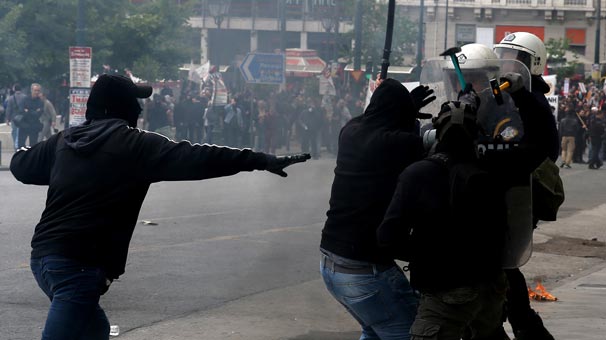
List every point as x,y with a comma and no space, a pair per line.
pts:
562,165
568,166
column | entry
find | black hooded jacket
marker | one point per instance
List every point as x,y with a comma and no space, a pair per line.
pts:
98,175
374,148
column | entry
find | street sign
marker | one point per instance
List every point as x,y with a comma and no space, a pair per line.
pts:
263,68
80,66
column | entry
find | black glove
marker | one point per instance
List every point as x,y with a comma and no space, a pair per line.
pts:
516,82
276,164
470,98
420,96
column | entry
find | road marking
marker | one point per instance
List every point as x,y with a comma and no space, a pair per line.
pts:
304,228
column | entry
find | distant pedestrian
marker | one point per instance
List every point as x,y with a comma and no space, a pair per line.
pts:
569,127
30,126
48,118
14,107
597,129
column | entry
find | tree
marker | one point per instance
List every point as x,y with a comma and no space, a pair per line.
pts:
151,38
556,51
373,33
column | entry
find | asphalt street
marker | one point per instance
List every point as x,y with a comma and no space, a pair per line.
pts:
238,258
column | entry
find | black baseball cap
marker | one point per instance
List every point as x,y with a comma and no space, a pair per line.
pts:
113,93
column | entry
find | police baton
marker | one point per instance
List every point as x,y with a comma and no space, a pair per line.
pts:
391,9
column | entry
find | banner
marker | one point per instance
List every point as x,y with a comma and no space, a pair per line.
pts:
80,66
552,81
327,87
197,75
77,106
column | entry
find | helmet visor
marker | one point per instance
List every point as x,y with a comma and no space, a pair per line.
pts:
509,53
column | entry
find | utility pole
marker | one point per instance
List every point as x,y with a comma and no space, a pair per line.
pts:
282,13
446,28
598,23
420,37
358,36
80,28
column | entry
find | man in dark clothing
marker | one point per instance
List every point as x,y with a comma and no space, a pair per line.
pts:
374,148
194,111
437,220
14,106
310,125
597,128
569,127
30,126
81,242
158,114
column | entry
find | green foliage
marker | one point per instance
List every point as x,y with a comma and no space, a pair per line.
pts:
151,39
557,48
12,45
556,51
373,33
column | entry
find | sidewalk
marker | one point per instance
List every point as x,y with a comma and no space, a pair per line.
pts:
307,312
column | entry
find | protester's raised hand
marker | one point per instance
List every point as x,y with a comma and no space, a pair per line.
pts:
421,96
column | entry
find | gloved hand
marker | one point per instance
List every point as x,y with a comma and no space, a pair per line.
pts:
516,82
276,164
469,97
421,96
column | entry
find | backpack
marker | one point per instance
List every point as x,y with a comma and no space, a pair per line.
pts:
547,191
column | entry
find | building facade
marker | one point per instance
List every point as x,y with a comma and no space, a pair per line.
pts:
488,21
273,25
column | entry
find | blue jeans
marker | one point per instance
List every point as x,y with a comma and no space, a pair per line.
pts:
74,290
383,302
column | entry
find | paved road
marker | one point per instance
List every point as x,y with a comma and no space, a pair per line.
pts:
238,258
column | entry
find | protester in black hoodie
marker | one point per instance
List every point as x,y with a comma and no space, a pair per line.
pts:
373,149
437,220
98,175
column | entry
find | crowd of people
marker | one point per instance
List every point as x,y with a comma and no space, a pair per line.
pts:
266,122
32,116
582,125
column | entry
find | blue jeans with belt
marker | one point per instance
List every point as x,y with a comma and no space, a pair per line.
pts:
74,290
381,300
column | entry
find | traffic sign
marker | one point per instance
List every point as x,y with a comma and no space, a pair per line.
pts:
263,68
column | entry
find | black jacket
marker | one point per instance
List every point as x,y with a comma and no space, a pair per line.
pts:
455,214
98,175
374,148
569,126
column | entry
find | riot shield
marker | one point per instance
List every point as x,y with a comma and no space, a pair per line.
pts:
500,128
440,76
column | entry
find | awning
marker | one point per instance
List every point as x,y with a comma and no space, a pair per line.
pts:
303,63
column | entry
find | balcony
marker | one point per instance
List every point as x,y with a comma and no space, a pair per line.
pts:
574,5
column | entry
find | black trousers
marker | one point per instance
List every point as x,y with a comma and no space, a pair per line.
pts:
596,146
519,312
31,134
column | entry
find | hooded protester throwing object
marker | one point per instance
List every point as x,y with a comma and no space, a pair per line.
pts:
78,249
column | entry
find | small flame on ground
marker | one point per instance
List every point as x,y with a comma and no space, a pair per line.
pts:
540,294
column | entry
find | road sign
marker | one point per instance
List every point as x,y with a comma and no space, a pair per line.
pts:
80,66
263,68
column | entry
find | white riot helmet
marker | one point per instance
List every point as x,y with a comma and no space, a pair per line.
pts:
478,64
478,52
525,47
